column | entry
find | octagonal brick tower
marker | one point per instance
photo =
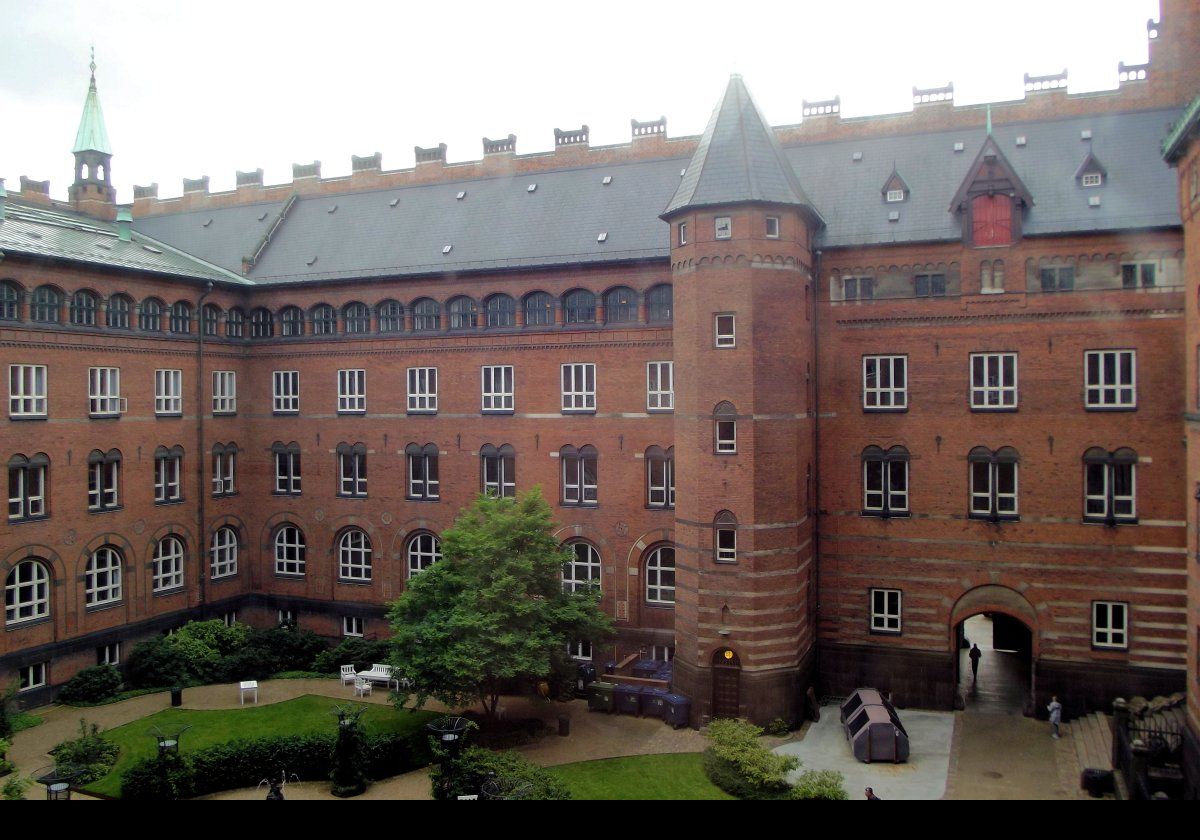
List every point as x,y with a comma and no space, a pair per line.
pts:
741,233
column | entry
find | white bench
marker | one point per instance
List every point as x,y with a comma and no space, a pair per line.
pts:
380,673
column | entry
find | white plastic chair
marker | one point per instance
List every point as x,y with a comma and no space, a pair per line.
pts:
348,675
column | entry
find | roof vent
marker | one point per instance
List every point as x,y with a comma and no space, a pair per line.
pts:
33,234
461,195
1094,201
531,188
312,261
894,216
682,172
603,237
206,224
1021,140
959,146
1086,134
332,209
151,249
393,202
606,180
447,248
856,157
103,245
262,216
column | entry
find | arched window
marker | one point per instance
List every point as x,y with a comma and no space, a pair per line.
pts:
102,577
462,313
423,483
120,312
391,316
287,468
660,477
324,319
579,307
427,316
181,317
83,309
501,311
352,470
725,429
235,323
167,571
211,317
620,306
539,310
885,481
10,301
168,474
725,537
660,303
291,321
660,576
993,483
423,551
46,305
262,323
357,318
579,475
223,553
27,480
27,592
289,551
104,480
499,470
582,571
150,315
354,556
1109,486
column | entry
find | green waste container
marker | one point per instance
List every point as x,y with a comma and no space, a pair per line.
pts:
600,696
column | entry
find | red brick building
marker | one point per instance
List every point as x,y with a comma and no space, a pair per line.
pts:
806,398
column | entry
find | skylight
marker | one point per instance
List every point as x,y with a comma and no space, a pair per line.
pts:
461,195
606,180
447,248
603,237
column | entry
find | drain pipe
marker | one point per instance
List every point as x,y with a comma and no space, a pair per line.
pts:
201,510
816,479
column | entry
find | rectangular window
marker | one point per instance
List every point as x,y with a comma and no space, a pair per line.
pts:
1110,378
895,195
1110,624
32,676
26,391
660,481
580,650
168,392
1138,274
285,391
352,391
723,227
224,469
27,489
726,545
224,392
1109,493
726,437
660,386
109,654
423,483
104,392
993,381
724,330
352,474
103,481
885,383
579,387
929,285
772,227
994,489
1057,278
1093,179
352,625
885,610
683,233
858,288
167,472
287,472
579,479
500,474
497,388
422,390
885,486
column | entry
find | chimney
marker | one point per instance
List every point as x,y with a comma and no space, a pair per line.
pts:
150,191
929,96
505,145
1039,84
653,128
434,154
572,137
253,178
195,185
124,224
35,192
370,163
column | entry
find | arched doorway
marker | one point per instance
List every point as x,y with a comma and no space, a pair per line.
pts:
1003,625
727,684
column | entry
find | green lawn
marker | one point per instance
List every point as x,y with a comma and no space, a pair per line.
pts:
294,717
667,776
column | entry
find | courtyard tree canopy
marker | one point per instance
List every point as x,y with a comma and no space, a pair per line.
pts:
493,610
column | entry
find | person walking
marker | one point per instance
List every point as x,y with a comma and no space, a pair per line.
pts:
871,794
1055,710
975,654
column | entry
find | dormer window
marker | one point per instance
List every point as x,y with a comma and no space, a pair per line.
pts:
723,227
895,195
1093,179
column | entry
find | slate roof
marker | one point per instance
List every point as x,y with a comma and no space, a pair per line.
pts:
737,160
500,224
44,232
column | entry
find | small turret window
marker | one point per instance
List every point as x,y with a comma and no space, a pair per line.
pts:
772,227
723,227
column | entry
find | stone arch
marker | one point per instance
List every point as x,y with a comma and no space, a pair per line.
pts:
588,533
995,598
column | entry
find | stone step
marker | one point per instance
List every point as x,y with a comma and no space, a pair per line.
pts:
1098,740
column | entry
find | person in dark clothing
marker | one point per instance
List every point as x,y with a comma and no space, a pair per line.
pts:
975,654
871,794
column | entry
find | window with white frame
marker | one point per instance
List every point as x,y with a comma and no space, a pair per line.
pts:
725,429
993,381
352,391
772,227
885,383
224,469
582,571
579,475
109,654
287,468
102,577
168,392
1110,624
1109,485
285,391
26,391
422,390
885,481
27,592
662,653
167,565
230,618
660,477
423,551
497,388
1093,179
993,483
352,470
27,486
290,549
660,386
423,483
660,576
895,195
683,233
224,392
725,330
223,553
722,227
353,625
579,387
104,392
168,473
580,650
885,610
1110,378
104,479
725,538
33,676
285,617
499,470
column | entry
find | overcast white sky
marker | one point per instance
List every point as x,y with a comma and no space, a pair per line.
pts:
191,89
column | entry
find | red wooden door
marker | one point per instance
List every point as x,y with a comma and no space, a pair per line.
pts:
991,220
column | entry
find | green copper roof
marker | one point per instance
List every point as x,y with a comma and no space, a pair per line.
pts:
1175,142
92,136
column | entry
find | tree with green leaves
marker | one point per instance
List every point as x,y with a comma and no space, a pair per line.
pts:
493,610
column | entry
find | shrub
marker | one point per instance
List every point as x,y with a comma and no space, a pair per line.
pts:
6,766
362,653
820,784
6,722
92,685
204,644
155,663
739,764
165,777
289,648
14,789
349,770
467,774
246,664
778,727
92,755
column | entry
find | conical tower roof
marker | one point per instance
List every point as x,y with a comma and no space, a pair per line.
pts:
92,136
738,160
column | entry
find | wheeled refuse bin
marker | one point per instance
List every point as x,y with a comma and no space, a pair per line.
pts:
627,699
585,675
600,697
678,711
654,702
645,668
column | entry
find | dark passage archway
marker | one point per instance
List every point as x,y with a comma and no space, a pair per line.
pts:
1004,682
